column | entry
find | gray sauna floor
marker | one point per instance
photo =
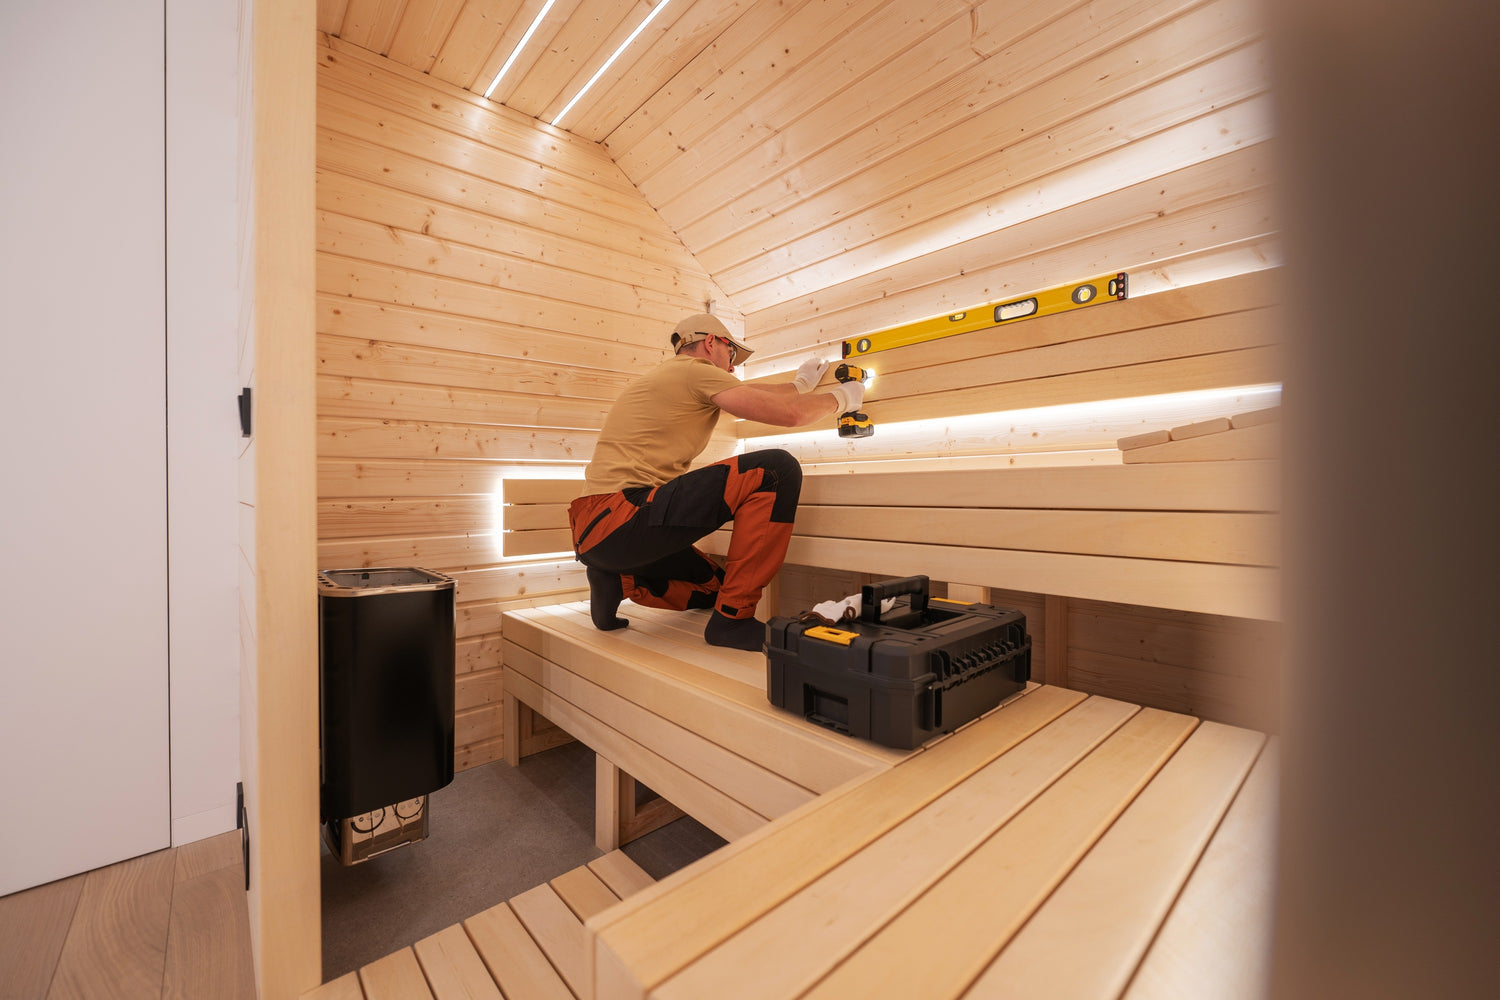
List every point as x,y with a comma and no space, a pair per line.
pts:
493,833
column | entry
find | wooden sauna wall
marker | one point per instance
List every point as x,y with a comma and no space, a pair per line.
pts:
486,285
844,168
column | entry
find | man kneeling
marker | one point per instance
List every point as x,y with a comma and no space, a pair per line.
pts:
642,510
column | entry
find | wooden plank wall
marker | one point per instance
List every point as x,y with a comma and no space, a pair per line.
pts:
845,168
486,285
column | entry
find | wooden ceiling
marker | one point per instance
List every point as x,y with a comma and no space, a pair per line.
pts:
840,166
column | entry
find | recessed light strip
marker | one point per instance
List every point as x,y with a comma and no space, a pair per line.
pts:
610,61
536,23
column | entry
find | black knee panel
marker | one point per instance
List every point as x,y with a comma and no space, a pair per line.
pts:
783,476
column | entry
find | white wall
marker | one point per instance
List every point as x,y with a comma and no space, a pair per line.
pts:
84,760
203,426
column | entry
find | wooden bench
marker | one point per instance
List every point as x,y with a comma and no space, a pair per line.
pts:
1060,846
1197,536
689,720
532,947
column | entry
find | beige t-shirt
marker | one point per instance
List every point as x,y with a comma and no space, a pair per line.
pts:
658,425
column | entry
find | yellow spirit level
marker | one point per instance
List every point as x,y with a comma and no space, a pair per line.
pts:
1084,293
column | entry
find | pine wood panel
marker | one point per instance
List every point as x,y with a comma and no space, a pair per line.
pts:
348,397
584,892
1090,935
389,322
513,959
1211,588
1215,941
356,437
796,943
1138,228
657,941
453,968
956,929
398,976
1168,131
1247,539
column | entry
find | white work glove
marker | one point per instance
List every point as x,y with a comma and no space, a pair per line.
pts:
834,610
849,395
809,374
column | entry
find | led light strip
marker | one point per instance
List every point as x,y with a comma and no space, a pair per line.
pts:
609,62
536,23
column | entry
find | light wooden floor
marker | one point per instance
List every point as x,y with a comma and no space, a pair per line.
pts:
170,924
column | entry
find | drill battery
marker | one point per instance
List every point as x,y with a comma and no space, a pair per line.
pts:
923,668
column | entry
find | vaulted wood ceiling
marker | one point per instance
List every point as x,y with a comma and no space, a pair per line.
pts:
843,165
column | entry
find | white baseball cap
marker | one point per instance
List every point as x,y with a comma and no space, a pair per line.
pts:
696,328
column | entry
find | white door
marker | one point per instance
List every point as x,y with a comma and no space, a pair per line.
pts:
84,769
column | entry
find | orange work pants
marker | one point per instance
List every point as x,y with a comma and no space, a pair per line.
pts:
646,534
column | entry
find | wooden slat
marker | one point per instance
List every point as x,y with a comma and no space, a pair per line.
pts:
453,967
117,942
623,876
584,892
758,788
353,437
1210,588
533,516
345,987
1248,539
725,816
1091,933
557,932
535,543
542,491
421,254
957,929
1259,441
358,118
398,362
1216,941
657,935
208,934
397,976
1176,122
33,926
1217,203
513,959
422,31
1224,370
406,516
736,713
793,945
369,77
340,396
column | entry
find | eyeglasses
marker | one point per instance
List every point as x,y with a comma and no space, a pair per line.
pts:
734,352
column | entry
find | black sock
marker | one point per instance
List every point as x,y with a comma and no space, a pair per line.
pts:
736,633
605,595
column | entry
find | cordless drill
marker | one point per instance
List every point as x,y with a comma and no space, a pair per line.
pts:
853,423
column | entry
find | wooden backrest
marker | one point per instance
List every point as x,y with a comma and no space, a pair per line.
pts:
1219,334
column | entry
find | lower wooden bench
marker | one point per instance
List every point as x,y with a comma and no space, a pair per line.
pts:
533,947
1060,846
689,720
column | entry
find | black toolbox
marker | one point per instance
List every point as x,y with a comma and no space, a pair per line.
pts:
925,667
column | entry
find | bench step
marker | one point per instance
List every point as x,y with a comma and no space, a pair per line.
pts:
532,947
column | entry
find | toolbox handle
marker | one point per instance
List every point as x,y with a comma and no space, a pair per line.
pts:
871,594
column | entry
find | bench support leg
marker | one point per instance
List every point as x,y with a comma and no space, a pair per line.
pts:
616,819
607,802
1055,626
510,729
